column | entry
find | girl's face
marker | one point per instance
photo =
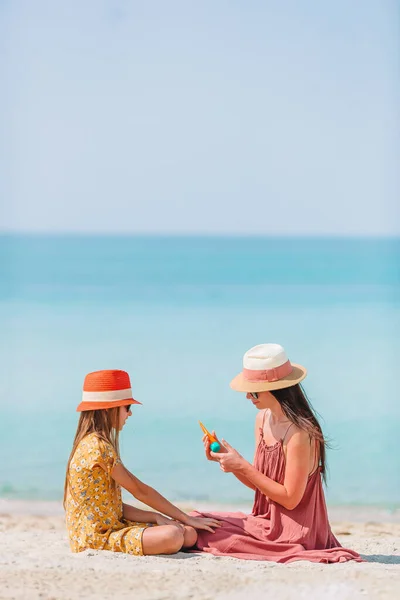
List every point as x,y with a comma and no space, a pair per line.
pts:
124,413
261,400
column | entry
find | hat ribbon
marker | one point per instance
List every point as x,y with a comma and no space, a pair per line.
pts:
274,374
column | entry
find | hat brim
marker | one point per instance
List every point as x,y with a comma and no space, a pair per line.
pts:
240,384
103,405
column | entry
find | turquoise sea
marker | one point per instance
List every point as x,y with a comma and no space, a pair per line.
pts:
178,313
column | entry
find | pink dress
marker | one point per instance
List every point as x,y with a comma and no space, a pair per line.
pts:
272,532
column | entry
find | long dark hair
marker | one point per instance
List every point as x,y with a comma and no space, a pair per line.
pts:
297,408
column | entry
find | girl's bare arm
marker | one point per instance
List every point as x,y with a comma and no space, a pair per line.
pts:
149,496
146,494
137,514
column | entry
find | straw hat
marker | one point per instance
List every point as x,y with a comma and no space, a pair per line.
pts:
266,367
106,389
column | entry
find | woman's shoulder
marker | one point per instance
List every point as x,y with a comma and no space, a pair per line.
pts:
297,435
261,416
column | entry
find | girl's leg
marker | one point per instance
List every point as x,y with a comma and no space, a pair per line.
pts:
190,537
164,539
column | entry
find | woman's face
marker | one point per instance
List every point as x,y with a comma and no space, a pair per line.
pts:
124,413
262,400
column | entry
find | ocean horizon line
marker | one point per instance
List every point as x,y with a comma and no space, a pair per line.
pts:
320,237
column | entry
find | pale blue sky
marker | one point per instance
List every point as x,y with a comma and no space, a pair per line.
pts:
206,116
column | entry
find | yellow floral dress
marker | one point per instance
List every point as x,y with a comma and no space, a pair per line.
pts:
93,507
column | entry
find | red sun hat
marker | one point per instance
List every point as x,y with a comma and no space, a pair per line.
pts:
106,389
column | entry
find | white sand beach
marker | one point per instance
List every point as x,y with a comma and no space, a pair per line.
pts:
35,562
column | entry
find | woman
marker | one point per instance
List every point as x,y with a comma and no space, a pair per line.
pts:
289,520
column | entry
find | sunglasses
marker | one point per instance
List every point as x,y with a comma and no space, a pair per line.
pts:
128,407
254,395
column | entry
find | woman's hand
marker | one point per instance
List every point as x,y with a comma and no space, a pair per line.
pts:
229,460
202,523
207,444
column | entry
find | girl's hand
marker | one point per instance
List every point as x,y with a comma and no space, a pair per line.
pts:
203,523
207,444
230,460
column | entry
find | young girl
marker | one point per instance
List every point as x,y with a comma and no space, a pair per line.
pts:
95,515
289,520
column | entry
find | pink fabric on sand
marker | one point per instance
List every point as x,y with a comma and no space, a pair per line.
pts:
272,532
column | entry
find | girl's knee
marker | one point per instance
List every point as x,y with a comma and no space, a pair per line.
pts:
190,537
174,539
